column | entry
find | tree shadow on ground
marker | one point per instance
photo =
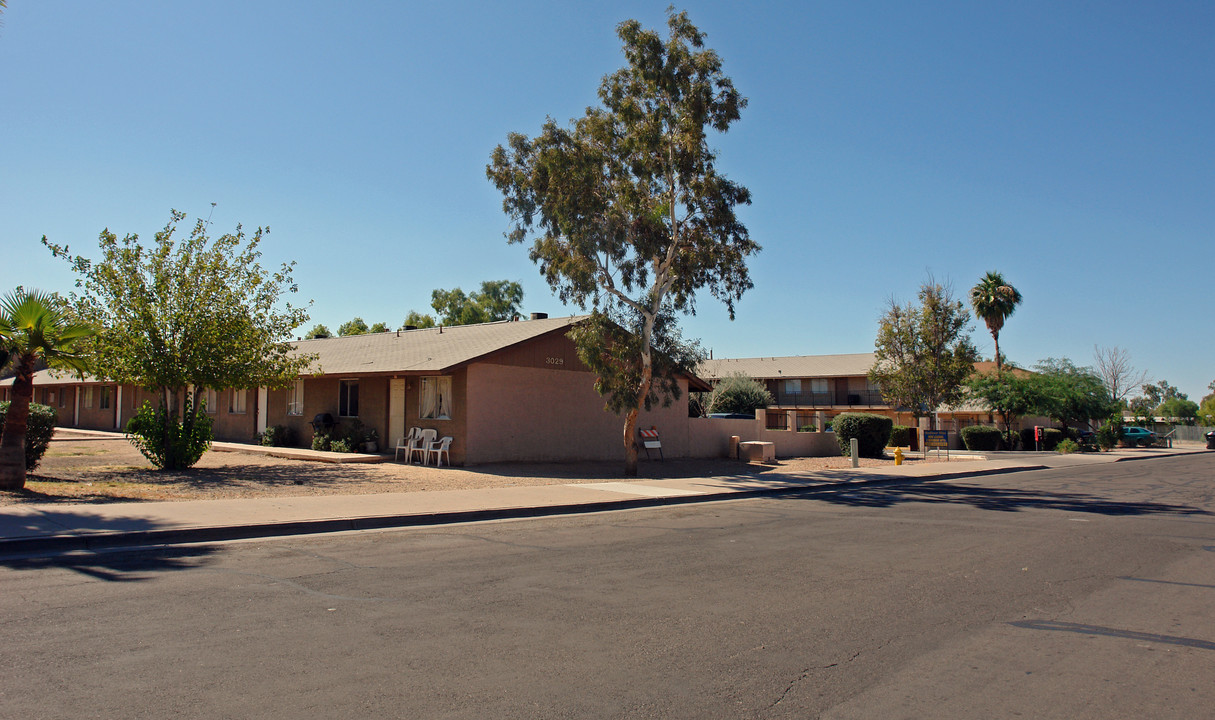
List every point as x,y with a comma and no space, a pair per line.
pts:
894,492
77,540
614,469
128,565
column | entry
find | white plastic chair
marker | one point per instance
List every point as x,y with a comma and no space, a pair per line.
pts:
406,443
438,449
422,444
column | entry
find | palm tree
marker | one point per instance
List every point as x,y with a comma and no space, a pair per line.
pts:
994,300
32,329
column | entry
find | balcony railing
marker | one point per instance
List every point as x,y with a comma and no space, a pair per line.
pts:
867,398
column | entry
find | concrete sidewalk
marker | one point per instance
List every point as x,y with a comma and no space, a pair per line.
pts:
65,527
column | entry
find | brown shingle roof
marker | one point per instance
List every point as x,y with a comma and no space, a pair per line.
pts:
795,366
425,350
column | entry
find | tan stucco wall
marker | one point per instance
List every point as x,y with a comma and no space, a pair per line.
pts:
710,437
534,414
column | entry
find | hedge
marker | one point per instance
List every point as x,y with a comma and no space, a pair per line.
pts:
872,433
37,433
1050,438
981,437
900,436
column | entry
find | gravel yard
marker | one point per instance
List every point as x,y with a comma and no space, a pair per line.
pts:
107,469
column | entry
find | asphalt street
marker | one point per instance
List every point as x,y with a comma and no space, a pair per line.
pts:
1083,592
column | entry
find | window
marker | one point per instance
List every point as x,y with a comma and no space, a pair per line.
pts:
348,399
88,397
210,400
63,398
104,402
295,398
50,398
236,406
793,386
818,385
436,398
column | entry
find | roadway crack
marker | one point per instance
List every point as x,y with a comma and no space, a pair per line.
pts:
805,674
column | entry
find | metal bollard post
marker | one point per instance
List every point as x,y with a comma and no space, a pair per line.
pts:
856,452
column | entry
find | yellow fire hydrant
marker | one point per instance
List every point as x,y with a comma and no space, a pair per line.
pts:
898,456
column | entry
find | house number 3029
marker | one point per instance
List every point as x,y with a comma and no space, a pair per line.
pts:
554,361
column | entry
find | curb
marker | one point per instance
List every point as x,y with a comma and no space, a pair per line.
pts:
1155,457
144,538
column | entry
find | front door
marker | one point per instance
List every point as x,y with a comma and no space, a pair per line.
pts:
396,410
263,408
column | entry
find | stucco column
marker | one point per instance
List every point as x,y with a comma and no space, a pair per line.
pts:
118,408
820,421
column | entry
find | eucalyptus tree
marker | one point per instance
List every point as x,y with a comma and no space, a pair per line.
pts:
994,300
629,215
34,329
179,316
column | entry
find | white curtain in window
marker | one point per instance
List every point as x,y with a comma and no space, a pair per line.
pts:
295,398
436,398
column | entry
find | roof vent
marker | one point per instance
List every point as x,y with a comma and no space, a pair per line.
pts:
539,316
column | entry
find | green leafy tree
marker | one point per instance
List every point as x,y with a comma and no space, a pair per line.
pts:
1008,395
35,329
1182,410
630,215
1206,410
418,320
182,315
923,352
1160,392
357,326
1069,394
739,393
994,300
378,328
497,300
318,331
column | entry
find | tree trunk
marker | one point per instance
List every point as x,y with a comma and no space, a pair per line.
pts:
996,337
16,423
630,445
630,421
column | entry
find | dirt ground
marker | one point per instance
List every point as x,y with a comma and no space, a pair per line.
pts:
92,470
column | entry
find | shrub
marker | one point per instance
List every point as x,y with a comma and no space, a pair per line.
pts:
1110,433
278,436
1050,438
739,394
355,433
1067,446
900,436
321,441
1010,440
38,431
806,428
340,445
168,443
872,432
981,437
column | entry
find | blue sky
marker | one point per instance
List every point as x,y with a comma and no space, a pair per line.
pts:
1067,145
